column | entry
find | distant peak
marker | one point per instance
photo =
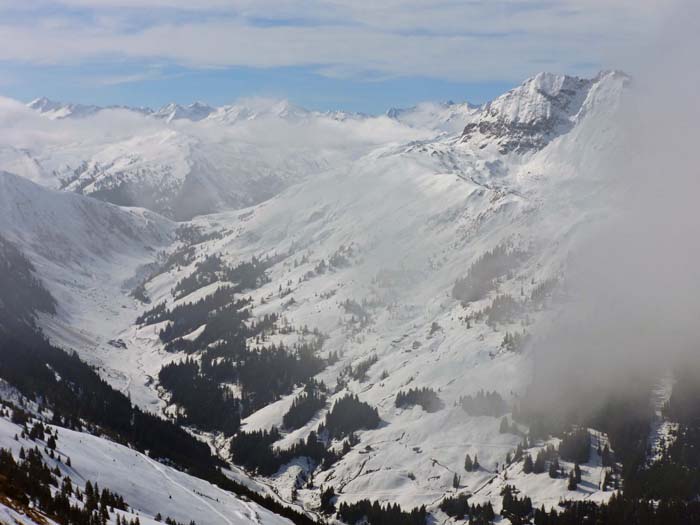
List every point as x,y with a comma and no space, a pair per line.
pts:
43,103
195,111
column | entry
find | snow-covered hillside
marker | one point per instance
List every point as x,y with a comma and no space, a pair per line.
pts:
85,253
149,488
369,223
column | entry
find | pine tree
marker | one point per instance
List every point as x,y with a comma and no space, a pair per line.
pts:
527,464
476,465
577,473
327,500
518,453
554,468
455,481
468,464
538,467
572,481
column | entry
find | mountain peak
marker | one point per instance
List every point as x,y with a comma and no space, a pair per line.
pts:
59,110
259,107
40,103
173,111
528,117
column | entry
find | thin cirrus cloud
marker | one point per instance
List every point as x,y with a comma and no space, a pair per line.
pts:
463,41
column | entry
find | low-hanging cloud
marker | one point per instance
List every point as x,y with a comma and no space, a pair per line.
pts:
633,282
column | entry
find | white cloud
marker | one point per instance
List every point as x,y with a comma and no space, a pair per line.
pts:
473,40
129,78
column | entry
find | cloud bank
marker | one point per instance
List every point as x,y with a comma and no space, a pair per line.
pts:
634,283
472,41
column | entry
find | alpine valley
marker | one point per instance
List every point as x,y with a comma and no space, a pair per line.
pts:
262,314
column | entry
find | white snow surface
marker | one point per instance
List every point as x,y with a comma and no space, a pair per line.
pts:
148,487
417,202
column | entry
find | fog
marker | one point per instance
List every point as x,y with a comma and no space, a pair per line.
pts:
633,282
243,154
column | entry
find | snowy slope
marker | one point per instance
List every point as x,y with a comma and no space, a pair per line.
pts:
86,253
148,487
417,216
418,204
12,516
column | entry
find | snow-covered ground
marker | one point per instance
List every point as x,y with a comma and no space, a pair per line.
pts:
147,486
417,202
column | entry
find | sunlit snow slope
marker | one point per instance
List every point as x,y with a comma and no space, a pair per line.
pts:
410,200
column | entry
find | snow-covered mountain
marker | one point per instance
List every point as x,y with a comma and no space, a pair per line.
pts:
58,110
370,231
195,111
449,117
544,107
252,109
82,250
182,164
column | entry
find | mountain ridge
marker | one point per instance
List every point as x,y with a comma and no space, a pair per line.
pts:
400,269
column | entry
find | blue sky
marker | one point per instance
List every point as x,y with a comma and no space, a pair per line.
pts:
357,55
302,85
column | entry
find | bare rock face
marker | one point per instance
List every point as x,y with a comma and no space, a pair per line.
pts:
528,117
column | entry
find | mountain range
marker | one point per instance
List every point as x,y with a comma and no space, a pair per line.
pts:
343,307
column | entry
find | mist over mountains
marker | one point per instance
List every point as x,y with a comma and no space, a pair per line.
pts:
407,318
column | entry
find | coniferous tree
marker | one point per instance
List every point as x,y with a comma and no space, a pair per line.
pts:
468,464
456,507
538,466
576,445
328,500
518,453
554,468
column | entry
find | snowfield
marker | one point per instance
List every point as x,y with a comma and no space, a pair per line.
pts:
148,487
411,202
